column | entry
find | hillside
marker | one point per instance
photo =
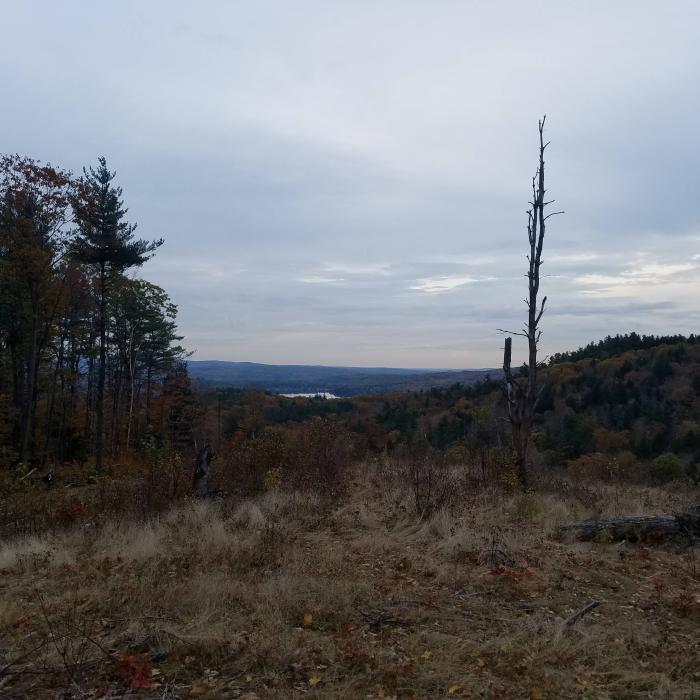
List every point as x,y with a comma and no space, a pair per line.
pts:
467,585
620,413
340,381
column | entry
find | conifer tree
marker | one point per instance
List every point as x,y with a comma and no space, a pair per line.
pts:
105,242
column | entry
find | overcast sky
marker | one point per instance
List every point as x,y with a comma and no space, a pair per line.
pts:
346,182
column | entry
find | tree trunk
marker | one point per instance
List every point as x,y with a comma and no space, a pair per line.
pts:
99,428
28,397
201,471
52,396
116,406
148,397
132,381
522,394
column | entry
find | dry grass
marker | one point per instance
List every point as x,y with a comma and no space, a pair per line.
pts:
289,596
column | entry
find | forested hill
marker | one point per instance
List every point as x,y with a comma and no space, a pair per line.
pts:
340,381
616,344
636,411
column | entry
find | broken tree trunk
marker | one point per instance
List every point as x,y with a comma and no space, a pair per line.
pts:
201,471
637,527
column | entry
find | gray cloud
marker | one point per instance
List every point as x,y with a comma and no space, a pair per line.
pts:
346,183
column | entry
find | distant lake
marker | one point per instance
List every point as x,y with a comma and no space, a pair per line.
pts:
322,394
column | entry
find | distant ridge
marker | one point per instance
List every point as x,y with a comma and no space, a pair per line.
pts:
341,381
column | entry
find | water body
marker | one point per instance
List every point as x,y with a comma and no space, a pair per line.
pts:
318,394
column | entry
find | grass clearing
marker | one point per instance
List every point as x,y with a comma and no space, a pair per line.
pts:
287,595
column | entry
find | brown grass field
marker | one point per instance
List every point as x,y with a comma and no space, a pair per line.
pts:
291,595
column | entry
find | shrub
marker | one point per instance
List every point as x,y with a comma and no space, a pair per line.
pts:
320,451
594,465
431,488
311,456
526,506
247,462
422,474
694,473
628,463
273,479
666,467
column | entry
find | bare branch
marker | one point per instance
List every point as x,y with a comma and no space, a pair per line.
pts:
501,330
539,315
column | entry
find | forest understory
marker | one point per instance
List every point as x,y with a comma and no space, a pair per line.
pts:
350,594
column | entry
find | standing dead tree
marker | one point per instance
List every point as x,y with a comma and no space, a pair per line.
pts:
200,484
522,392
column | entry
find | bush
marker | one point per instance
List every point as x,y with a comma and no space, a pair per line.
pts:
423,475
321,452
694,473
312,456
666,467
594,465
430,482
526,506
273,479
244,462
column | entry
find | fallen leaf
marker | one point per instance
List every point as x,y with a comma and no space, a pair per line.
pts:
314,680
536,693
454,689
480,662
426,654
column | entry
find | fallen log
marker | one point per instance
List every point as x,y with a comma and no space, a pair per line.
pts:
634,528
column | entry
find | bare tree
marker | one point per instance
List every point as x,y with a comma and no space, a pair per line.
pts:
522,392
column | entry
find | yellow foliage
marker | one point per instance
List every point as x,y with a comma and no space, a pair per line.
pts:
273,479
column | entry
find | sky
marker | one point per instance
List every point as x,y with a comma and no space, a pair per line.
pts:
345,183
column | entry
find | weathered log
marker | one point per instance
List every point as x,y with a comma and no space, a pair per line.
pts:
636,527
200,484
581,613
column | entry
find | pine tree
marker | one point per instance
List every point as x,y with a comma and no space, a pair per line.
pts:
106,243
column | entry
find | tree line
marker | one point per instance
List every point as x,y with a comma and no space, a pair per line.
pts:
617,344
87,350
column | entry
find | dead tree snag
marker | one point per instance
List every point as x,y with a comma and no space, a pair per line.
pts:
200,484
522,392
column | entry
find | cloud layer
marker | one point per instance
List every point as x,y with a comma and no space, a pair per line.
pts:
346,182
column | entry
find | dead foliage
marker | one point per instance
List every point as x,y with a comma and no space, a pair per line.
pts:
286,594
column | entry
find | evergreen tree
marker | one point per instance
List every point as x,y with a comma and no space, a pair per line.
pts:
105,242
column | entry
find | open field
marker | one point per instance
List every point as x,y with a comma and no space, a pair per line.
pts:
290,595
